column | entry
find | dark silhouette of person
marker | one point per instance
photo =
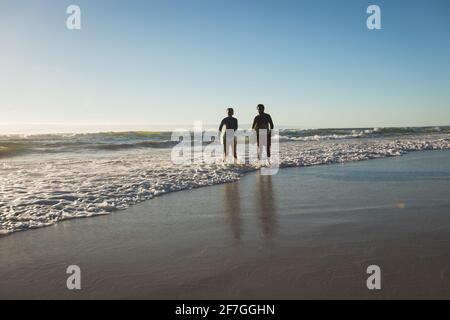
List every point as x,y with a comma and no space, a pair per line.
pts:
229,122
263,125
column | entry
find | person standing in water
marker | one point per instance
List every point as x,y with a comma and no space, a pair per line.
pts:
230,123
263,125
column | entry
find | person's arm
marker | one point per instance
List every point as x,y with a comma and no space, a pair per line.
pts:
237,126
221,125
254,123
270,123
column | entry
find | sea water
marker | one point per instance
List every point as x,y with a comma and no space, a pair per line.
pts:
46,178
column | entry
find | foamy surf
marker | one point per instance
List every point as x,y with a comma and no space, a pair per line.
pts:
38,192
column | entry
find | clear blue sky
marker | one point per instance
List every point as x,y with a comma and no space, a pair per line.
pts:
312,63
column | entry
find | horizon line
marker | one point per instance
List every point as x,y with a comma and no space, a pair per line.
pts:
167,127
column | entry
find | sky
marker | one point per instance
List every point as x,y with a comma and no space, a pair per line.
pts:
313,64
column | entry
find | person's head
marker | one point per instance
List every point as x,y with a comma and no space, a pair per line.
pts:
230,112
260,108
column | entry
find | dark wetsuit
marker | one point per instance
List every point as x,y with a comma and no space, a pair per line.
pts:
229,123
263,121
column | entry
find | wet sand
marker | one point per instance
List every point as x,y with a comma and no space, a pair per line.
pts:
304,233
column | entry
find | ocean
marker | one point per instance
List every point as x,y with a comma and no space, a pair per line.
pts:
46,178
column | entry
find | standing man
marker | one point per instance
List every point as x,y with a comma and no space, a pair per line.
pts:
263,125
230,123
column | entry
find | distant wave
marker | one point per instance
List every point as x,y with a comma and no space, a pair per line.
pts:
11,149
14,145
351,133
142,144
17,145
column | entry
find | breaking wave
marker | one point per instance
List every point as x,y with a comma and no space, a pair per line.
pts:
18,145
351,133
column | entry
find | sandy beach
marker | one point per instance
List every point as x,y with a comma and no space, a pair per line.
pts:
304,233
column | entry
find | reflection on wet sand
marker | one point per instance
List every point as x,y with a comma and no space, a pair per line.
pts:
265,204
232,206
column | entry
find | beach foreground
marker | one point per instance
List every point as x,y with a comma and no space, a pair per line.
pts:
303,233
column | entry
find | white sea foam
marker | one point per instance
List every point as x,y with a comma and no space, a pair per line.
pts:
37,192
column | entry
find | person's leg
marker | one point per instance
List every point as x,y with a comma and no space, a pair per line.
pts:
235,148
258,147
224,147
269,143
264,142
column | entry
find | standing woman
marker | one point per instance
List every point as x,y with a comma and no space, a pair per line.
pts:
230,123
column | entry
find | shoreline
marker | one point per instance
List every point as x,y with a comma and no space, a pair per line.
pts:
304,233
